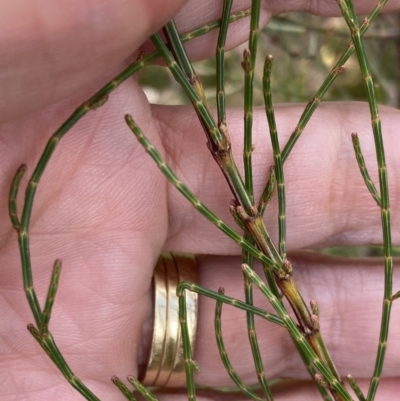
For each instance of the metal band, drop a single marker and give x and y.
(166, 366)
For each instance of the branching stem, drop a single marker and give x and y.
(349, 14)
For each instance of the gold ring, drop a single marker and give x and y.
(166, 366)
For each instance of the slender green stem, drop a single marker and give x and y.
(312, 372)
(268, 192)
(173, 38)
(264, 200)
(141, 389)
(249, 61)
(224, 356)
(186, 285)
(13, 195)
(23, 239)
(246, 257)
(220, 57)
(350, 17)
(255, 226)
(248, 119)
(185, 191)
(179, 53)
(248, 64)
(46, 341)
(363, 169)
(238, 220)
(269, 275)
(190, 365)
(55, 276)
(213, 25)
(212, 131)
(280, 181)
(251, 329)
(254, 32)
(297, 336)
(124, 390)
(218, 137)
(356, 388)
(336, 70)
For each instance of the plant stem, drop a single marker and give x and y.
(141, 389)
(298, 336)
(248, 64)
(220, 58)
(186, 285)
(356, 388)
(263, 202)
(124, 390)
(336, 70)
(280, 181)
(268, 191)
(249, 60)
(190, 364)
(42, 319)
(363, 169)
(251, 329)
(179, 53)
(347, 9)
(13, 195)
(278, 168)
(224, 356)
(44, 327)
(218, 137)
(46, 341)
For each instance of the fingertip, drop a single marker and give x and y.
(159, 12)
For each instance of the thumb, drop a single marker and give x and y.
(49, 50)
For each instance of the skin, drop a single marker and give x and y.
(107, 212)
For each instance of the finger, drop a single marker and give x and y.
(197, 13)
(50, 50)
(326, 199)
(349, 295)
(288, 391)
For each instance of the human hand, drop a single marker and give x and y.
(105, 210)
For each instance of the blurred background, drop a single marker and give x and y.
(305, 48)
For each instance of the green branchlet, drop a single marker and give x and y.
(349, 15)
(224, 355)
(124, 390)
